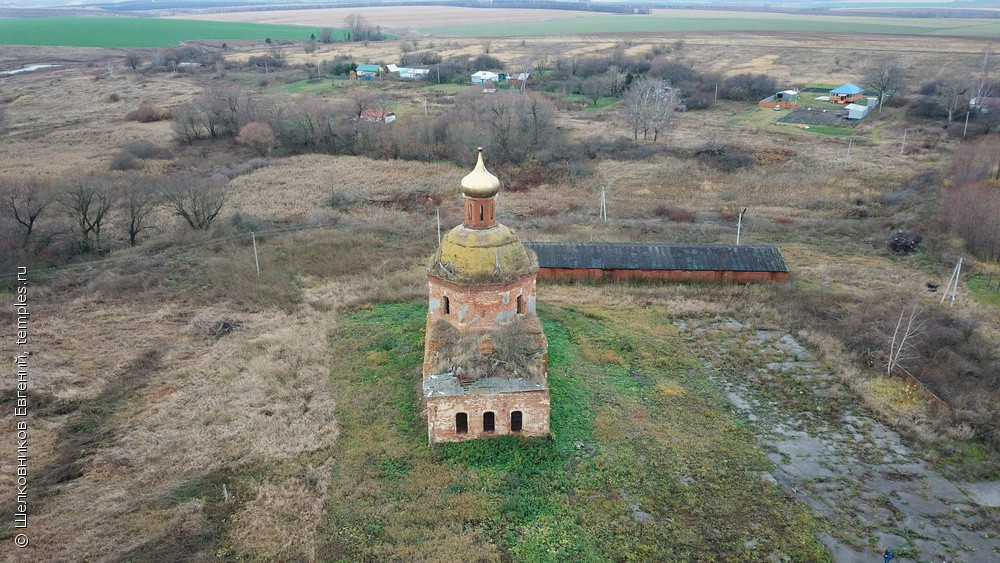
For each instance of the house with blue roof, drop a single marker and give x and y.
(846, 94)
(367, 71)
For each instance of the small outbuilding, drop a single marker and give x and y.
(785, 99)
(519, 79)
(846, 94)
(619, 261)
(857, 111)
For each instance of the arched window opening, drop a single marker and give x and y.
(516, 421)
(480, 212)
(462, 423)
(447, 305)
(489, 424)
(520, 304)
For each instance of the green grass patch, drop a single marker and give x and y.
(588, 104)
(986, 290)
(645, 460)
(450, 88)
(831, 131)
(304, 86)
(721, 21)
(139, 32)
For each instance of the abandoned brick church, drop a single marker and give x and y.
(485, 357)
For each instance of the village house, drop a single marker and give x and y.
(485, 354)
(377, 116)
(519, 80)
(846, 94)
(367, 71)
(484, 76)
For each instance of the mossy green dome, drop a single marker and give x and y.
(493, 255)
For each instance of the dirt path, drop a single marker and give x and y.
(873, 490)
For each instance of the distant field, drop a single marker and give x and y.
(136, 32)
(699, 21)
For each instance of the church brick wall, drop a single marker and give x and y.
(441, 413)
(479, 306)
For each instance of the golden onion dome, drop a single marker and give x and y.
(493, 255)
(480, 183)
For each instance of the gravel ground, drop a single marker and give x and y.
(875, 492)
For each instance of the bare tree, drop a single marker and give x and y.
(197, 201)
(24, 201)
(88, 201)
(111, 67)
(140, 197)
(359, 29)
(226, 108)
(133, 59)
(188, 124)
(647, 105)
(360, 99)
(596, 86)
(885, 78)
(908, 328)
(984, 88)
(326, 35)
(953, 94)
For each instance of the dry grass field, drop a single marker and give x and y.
(142, 408)
(402, 20)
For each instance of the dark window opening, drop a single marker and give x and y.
(447, 305)
(520, 304)
(489, 424)
(516, 421)
(480, 212)
(462, 423)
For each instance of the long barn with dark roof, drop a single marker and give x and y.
(668, 262)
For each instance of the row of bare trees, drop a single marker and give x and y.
(511, 125)
(86, 208)
(972, 198)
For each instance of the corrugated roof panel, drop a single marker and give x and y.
(643, 256)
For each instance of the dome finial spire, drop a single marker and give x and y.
(480, 183)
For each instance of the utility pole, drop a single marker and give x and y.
(850, 143)
(603, 214)
(902, 147)
(966, 130)
(256, 259)
(739, 226)
(956, 274)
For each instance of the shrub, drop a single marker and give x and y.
(124, 160)
(258, 136)
(727, 158)
(146, 112)
(142, 148)
(676, 214)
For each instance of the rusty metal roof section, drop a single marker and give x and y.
(652, 256)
